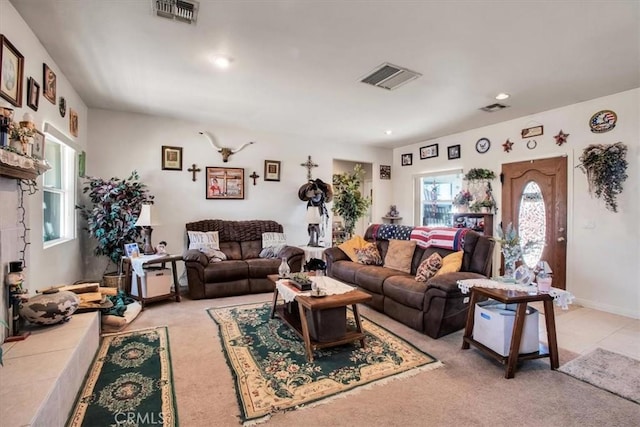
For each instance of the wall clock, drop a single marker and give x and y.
(483, 145)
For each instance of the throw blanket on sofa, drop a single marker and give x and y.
(440, 237)
(391, 231)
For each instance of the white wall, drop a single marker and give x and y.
(603, 251)
(62, 263)
(121, 142)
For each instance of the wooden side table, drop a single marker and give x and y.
(392, 219)
(162, 260)
(521, 299)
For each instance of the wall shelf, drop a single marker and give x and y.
(480, 222)
(14, 165)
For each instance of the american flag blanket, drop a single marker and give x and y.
(440, 237)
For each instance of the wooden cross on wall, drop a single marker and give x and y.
(194, 170)
(255, 176)
(309, 165)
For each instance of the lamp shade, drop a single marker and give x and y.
(145, 219)
(313, 215)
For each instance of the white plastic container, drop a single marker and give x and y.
(493, 326)
(155, 282)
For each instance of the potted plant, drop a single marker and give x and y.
(606, 169)
(462, 200)
(479, 174)
(510, 247)
(112, 214)
(348, 202)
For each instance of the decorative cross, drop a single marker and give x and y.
(255, 176)
(194, 170)
(309, 165)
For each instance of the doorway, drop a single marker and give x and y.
(534, 199)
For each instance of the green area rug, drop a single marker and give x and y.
(272, 374)
(610, 371)
(130, 382)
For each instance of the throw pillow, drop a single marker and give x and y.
(369, 255)
(451, 263)
(400, 254)
(214, 255)
(270, 240)
(200, 239)
(429, 267)
(349, 247)
(271, 251)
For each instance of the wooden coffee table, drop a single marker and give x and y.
(310, 304)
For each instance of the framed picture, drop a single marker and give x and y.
(73, 122)
(531, 132)
(82, 164)
(271, 170)
(225, 183)
(48, 84)
(33, 93)
(37, 151)
(131, 250)
(453, 152)
(429, 151)
(407, 159)
(11, 72)
(171, 158)
(385, 172)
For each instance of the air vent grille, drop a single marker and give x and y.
(180, 10)
(389, 76)
(494, 107)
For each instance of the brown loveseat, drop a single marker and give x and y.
(243, 272)
(436, 307)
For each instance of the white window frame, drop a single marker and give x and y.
(68, 161)
(418, 190)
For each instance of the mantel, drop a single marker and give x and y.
(13, 165)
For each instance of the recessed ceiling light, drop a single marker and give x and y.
(502, 96)
(388, 132)
(221, 61)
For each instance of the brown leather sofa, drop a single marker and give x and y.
(243, 272)
(436, 307)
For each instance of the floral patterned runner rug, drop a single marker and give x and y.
(271, 373)
(130, 382)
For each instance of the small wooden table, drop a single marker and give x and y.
(521, 299)
(162, 260)
(307, 303)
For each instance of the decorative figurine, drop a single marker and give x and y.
(161, 249)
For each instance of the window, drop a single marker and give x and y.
(58, 193)
(434, 197)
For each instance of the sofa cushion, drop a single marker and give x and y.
(369, 255)
(199, 239)
(231, 250)
(400, 255)
(262, 267)
(251, 249)
(372, 277)
(346, 270)
(429, 267)
(349, 247)
(226, 271)
(405, 290)
(451, 263)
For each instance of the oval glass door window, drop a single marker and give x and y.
(532, 224)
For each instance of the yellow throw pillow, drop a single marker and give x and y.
(400, 254)
(349, 247)
(451, 263)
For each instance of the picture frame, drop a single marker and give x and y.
(171, 158)
(131, 250)
(428, 151)
(82, 164)
(453, 152)
(49, 81)
(37, 152)
(224, 183)
(33, 94)
(11, 72)
(73, 122)
(406, 159)
(532, 131)
(385, 171)
(271, 170)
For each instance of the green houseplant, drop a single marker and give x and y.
(348, 201)
(606, 169)
(112, 214)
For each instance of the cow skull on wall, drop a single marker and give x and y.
(226, 152)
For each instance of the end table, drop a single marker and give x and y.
(157, 259)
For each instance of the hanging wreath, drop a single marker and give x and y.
(606, 170)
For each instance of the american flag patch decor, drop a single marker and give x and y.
(603, 121)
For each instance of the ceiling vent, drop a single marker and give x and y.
(180, 10)
(389, 76)
(494, 107)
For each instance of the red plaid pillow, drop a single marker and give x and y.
(429, 267)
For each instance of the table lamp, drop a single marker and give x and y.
(313, 220)
(145, 222)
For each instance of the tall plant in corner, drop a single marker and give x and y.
(113, 212)
(606, 169)
(348, 201)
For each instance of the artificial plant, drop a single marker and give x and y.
(479, 174)
(113, 212)
(606, 169)
(348, 201)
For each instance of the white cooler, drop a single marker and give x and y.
(493, 325)
(155, 282)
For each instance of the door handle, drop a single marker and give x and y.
(560, 239)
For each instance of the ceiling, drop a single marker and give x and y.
(297, 65)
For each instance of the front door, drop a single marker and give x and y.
(534, 199)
